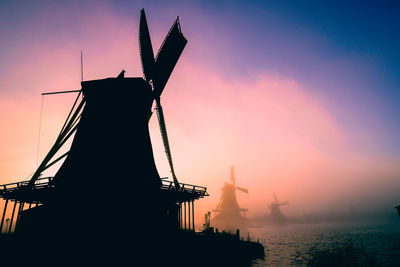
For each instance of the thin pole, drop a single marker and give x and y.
(4, 214)
(81, 67)
(12, 217)
(61, 92)
(40, 126)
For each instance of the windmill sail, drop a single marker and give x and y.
(146, 49)
(158, 71)
(167, 57)
(233, 175)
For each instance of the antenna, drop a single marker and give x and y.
(81, 67)
(40, 127)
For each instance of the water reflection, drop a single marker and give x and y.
(288, 245)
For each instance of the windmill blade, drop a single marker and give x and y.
(242, 189)
(276, 199)
(169, 53)
(283, 203)
(146, 49)
(233, 181)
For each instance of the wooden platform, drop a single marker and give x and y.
(44, 188)
(19, 197)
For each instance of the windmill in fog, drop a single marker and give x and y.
(276, 214)
(228, 212)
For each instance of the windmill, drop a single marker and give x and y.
(111, 148)
(228, 209)
(276, 214)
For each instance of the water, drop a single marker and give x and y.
(288, 245)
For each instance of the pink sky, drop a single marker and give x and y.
(279, 136)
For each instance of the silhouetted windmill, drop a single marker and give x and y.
(228, 209)
(113, 160)
(276, 214)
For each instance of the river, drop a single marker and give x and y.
(291, 245)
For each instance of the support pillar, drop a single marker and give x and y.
(189, 215)
(179, 215)
(20, 209)
(184, 203)
(12, 217)
(193, 216)
(2, 217)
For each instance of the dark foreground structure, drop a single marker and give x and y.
(107, 202)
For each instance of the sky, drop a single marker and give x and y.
(301, 98)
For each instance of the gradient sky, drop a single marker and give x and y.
(302, 98)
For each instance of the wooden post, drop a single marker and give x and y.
(189, 216)
(2, 217)
(12, 217)
(181, 226)
(193, 215)
(185, 213)
(179, 214)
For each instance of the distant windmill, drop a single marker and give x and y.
(228, 209)
(276, 213)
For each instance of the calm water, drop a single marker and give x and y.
(284, 244)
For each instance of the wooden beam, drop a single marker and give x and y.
(62, 92)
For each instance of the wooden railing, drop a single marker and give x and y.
(188, 188)
(44, 182)
(39, 183)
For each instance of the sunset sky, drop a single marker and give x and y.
(303, 100)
